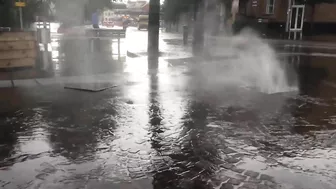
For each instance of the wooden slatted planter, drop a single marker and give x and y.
(17, 49)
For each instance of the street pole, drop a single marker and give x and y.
(153, 33)
(21, 20)
(198, 35)
(289, 12)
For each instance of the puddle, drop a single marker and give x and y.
(287, 176)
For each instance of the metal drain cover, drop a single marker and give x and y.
(89, 87)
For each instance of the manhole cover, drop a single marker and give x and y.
(90, 87)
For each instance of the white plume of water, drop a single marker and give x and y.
(247, 61)
(251, 63)
(256, 65)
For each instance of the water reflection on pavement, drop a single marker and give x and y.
(169, 129)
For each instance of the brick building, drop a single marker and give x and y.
(288, 16)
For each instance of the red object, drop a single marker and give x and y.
(108, 24)
(60, 30)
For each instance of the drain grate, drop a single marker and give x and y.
(89, 87)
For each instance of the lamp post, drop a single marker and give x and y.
(20, 4)
(289, 10)
(153, 33)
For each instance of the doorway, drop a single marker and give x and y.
(296, 21)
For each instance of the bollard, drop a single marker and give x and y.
(119, 45)
(185, 35)
(97, 40)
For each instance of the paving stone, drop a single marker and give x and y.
(218, 161)
(270, 184)
(234, 181)
(263, 187)
(227, 166)
(226, 186)
(228, 151)
(134, 169)
(137, 175)
(252, 174)
(250, 185)
(254, 180)
(238, 156)
(235, 169)
(232, 174)
(216, 182)
(223, 178)
(266, 177)
(232, 160)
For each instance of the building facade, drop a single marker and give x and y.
(289, 16)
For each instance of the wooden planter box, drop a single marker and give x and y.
(17, 49)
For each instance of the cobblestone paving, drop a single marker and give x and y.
(151, 133)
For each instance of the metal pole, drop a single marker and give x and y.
(21, 21)
(185, 35)
(289, 12)
(118, 45)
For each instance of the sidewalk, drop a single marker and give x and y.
(183, 126)
(169, 129)
(178, 40)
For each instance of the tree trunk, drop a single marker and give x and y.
(312, 19)
(198, 38)
(153, 33)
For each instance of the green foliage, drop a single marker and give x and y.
(98, 4)
(173, 8)
(7, 14)
(45, 8)
(38, 8)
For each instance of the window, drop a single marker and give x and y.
(270, 6)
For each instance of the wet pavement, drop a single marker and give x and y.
(185, 125)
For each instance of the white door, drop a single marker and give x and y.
(296, 18)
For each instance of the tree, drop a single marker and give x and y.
(153, 33)
(35, 8)
(174, 8)
(7, 14)
(93, 5)
(313, 4)
(198, 38)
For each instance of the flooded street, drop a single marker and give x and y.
(176, 127)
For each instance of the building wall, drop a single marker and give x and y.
(324, 13)
(257, 8)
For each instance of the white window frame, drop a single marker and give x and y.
(269, 5)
